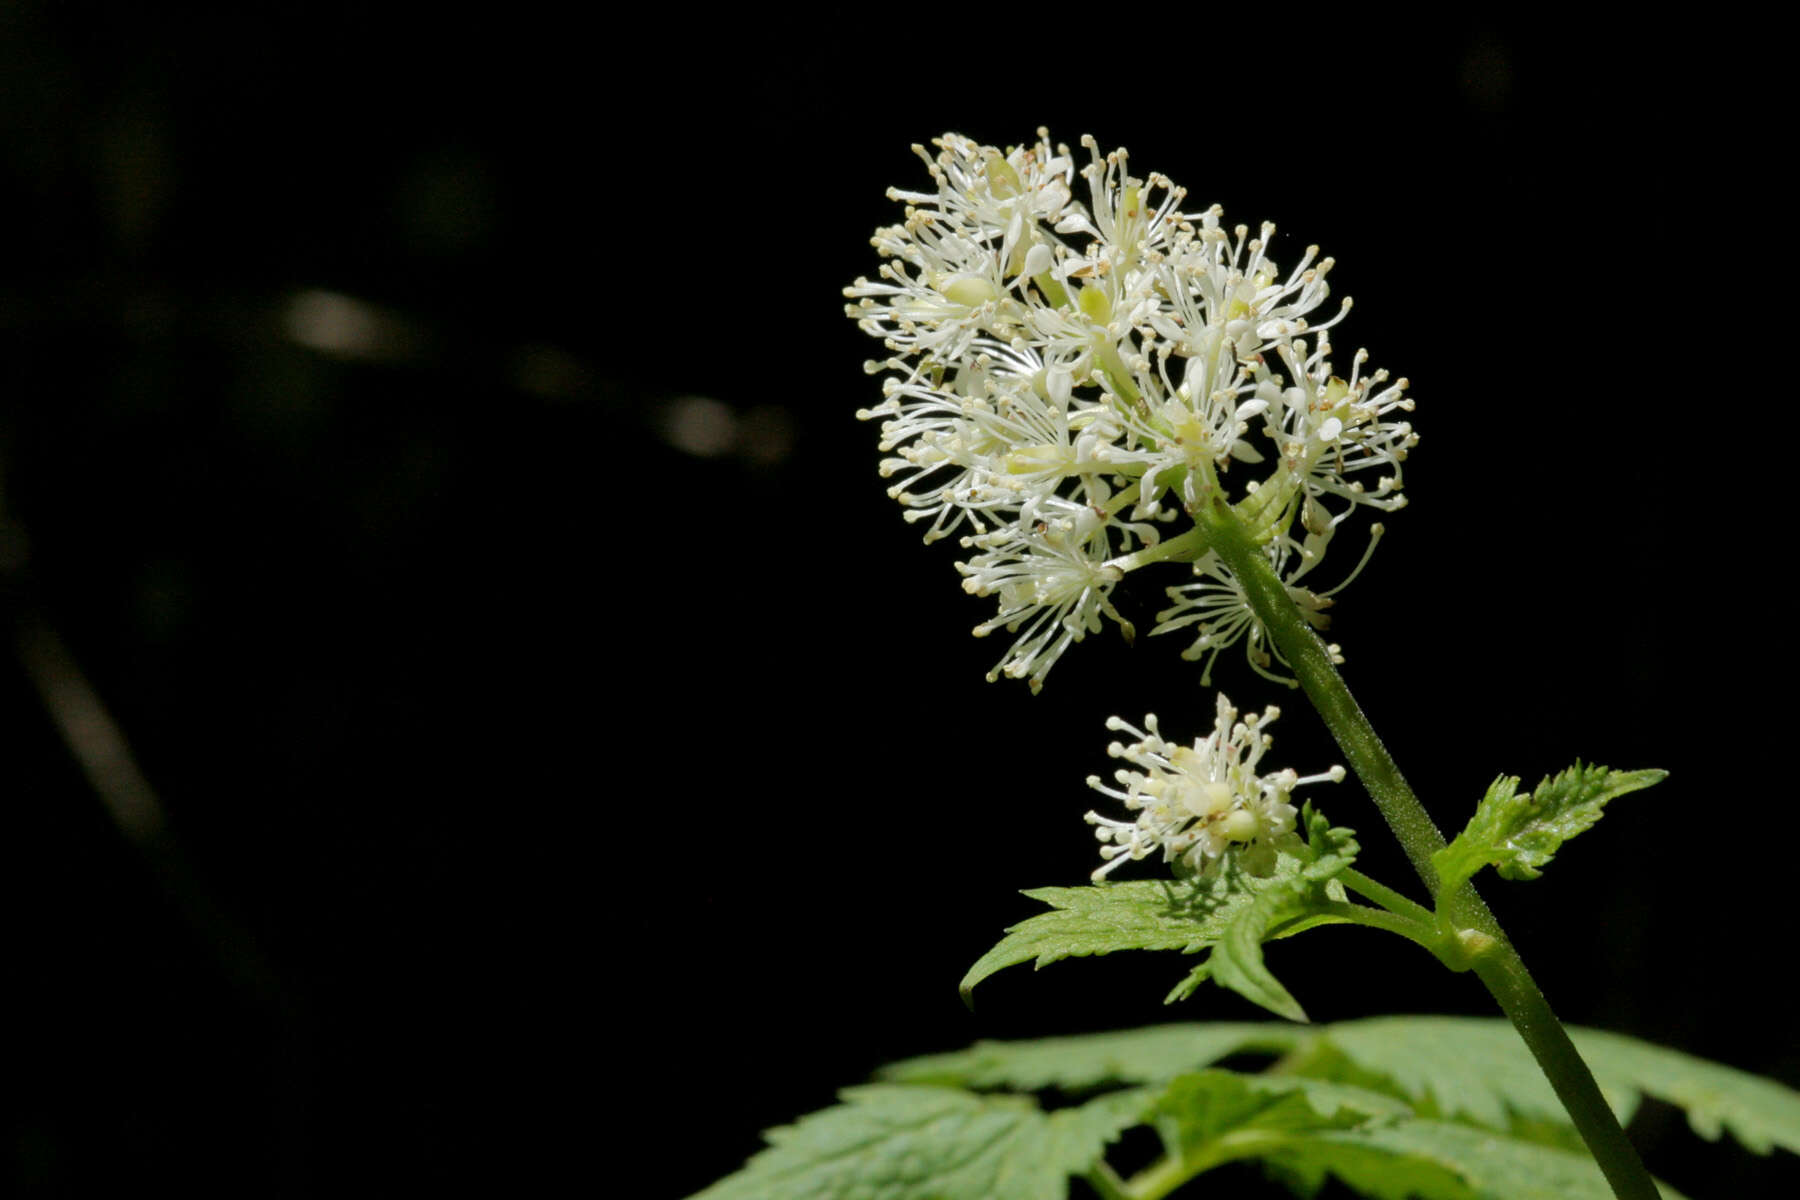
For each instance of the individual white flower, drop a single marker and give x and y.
(1196, 804)
(999, 434)
(1050, 574)
(1331, 430)
(959, 268)
(1216, 602)
(1191, 431)
(1224, 292)
(1125, 214)
(981, 191)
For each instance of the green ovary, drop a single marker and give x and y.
(1095, 304)
(970, 290)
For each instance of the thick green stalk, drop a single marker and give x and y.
(1491, 955)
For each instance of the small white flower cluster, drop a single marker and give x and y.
(1068, 374)
(1196, 803)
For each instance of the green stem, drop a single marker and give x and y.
(1123, 499)
(1379, 918)
(1512, 985)
(1495, 961)
(1385, 896)
(1115, 370)
(1160, 1178)
(1165, 1175)
(1188, 547)
(1106, 1182)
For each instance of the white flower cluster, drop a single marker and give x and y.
(1069, 374)
(1196, 803)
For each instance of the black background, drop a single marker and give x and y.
(518, 762)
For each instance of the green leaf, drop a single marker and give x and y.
(1475, 1068)
(1201, 1108)
(1519, 835)
(1440, 1160)
(895, 1142)
(1101, 918)
(1368, 1170)
(1305, 1129)
(1081, 1134)
(1760, 1113)
(1189, 916)
(1190, 983)
(1237, 960)
(1479, 1069)
(1150, 1055)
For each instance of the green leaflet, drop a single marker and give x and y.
(1519, 834)
(1231, 914)
(896, 1142)
(1759, 1113)
(1189, 984)
(1151, 1055)
(1237, 960)
(1480, 1070)
(1440, 1160)
(1477, 1069)
(1199, 1109)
